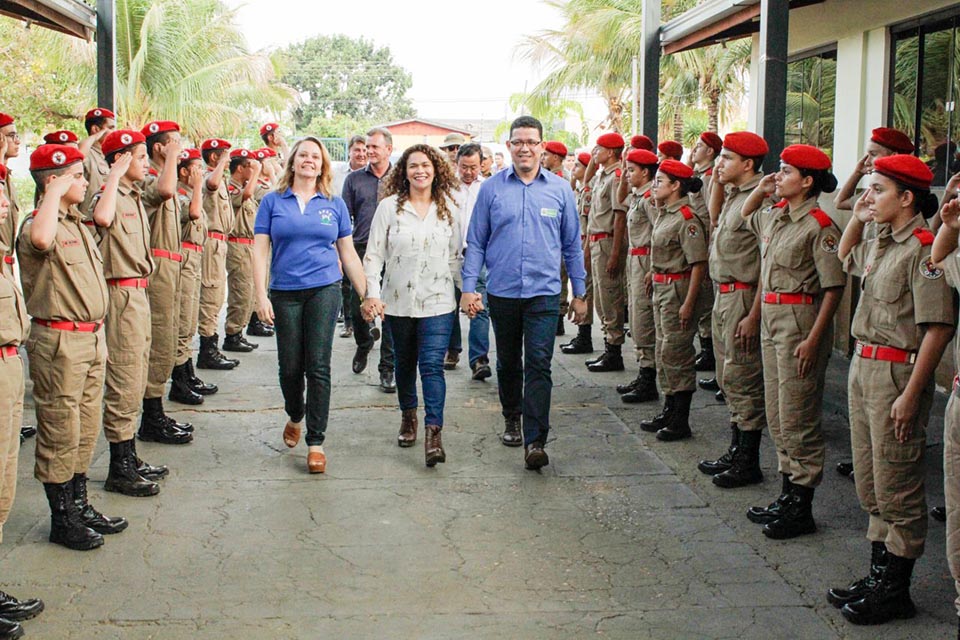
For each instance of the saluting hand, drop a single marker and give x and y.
(861, 209)
(172, 149)
(861, 167)
(768, 184)
(121, 164)
(59, 185)
(950, 214)
(196, 177)
(902, 412)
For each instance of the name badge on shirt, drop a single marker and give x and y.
(326, 216)
(549, 213)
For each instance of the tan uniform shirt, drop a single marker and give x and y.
(604, 201)
(8, 230)
(13, 312)
(584, 195)
(125, 244)
(245, 211)
(194, 231)
(735, 250)
(900, 287)
(678, 240)
(64, 282)
(640, 217)
(161, 214)
(799, 249)
(217, 208)
(95, 170)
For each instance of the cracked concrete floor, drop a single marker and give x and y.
(620, 537)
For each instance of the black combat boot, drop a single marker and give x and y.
(235, 342)
(724, 462)
(859, 589)
(156, 427)
(745, 469)
(10, 629)
(183, 426)
(89, 516)
(147, 470)
(196, 384)
(646, 388)
(13, 609)
(678, 428)
(257, 328)
(625, 388)
(769, 513)
(661, 419)
(210, 357)
(705, 360)
(65, 526)
(709, 384)
(796, 516)
(123, 476)
(889, 600)
(611, 360)
(581, 343)
(180, 390)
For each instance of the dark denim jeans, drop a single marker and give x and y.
(456, 336)
(479, 338)
(305, 321)
(361, 328)
(525, 330)
(423, 341)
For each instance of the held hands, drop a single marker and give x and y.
(372, 308)
(950, 214)
(861, 209)
(902, 412)
(471, 304)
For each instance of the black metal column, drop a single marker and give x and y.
(772, 99)
(106, 55)
(650, 70)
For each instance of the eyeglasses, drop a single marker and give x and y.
(525, 143)
(13, 135)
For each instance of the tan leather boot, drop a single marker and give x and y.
(408, 428)
(433, 446)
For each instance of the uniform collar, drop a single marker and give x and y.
(905, 232)
(805, 207)
(236, 184)
(126, 190)
(613, 167)
(749, 185)
(643, 189)
(673, 208)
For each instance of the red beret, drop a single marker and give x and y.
(121, 139)
(905, 169)
(215, 143)
(892, 139)
(712, 140)
(190, 154)
(641, 142)
(746, 144)
(675, 169)
(671, 149)
(267, 152)
(269, 128)
(99, 112)
(5, 119)
(803, 156)
(556, 147)
(3, 173)
(54, 156)
(60, 137)
(642, 157)
(611, 140)
(241, 153)
(584, 158)
(159, 126)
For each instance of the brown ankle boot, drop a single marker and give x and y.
(408, 428)
(433, 446)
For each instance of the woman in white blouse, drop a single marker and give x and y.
(415, 242)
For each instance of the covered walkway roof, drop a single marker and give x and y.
(72, 17)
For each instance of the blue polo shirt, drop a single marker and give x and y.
(304, 254)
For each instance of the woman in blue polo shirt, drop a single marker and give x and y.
(310, 234)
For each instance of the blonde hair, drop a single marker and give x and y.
(324, 179)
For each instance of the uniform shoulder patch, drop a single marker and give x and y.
(687, 212)
(821, 217)
(925, 236)
(929, 271)
(829, 243)
(693, 230)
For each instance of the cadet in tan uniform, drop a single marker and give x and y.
(703, 156)
(66, 296)
(163, 292)
(883, 142)
(185, 386)
(607, 230)
(669, 150)
(583, 341)
(554, 153)
(270, 171)
(218, 214)
(98, 123)
(244, 180)
(124, 241)
(801, 281)
(903, 323)
(735, 267)
(678, 262)
(10, 147)
(642, 214)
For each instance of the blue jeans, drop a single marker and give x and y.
(479, 338)
(423, 341)
(305, 321)
(525, 330)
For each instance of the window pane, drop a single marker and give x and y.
(811, 91)
(905, 84)
(935, 147)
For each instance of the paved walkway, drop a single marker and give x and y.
(620, 537)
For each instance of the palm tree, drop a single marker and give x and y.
(552, 114)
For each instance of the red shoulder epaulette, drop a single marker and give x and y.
(618, 172)
(822, 218)
(781, 204)
(709, 172)
(687, 212)
(33, 214)
(646, 194)
(925, 236)
(182, 192)
(231, 188)
(152, 172)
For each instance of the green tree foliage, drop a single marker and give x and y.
(552, 114)
(345, 84)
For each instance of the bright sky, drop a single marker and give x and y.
(462, 59)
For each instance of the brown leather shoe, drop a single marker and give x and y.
(408, 428)
(316, 462)
(291, 434)
(535, 457)
(433, 446)
(512, 437)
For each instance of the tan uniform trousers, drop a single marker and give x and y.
(189, 300)
(239, 286)
(11, 414)
(564, 290)
(128, 357)
(889, 475)
(739, 372)
(705, 302)
(794, 405)
(212, 290)
(643, 329)
(588, 282)
(951, 487)
(607, 291)
(675, 352)
(164, 295)
(67, 369)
